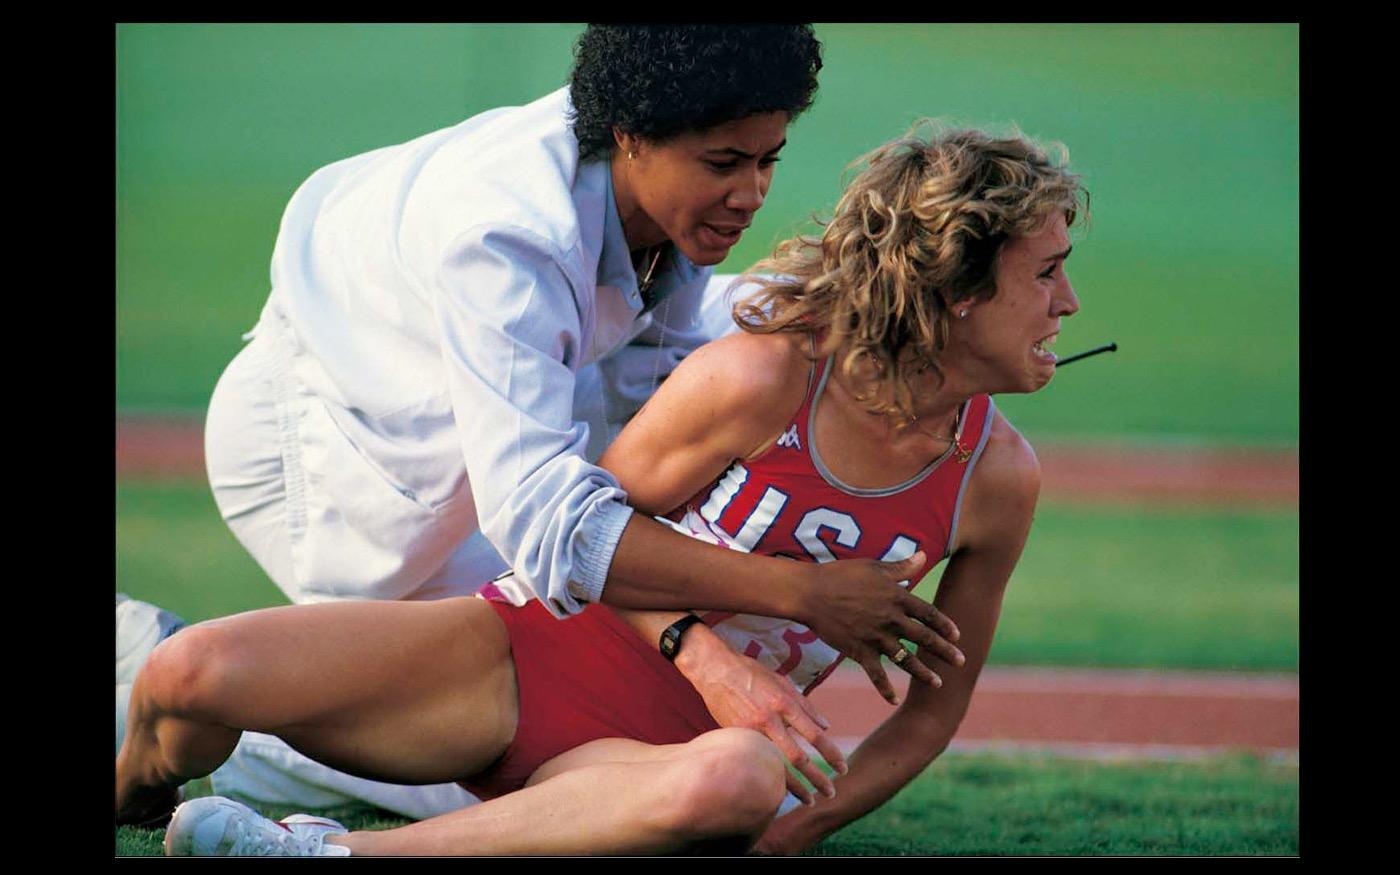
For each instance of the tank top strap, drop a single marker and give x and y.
(973, 429)
(816, 380)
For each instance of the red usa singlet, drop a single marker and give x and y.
(787, 503)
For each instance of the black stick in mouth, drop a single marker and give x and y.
(1107, 347)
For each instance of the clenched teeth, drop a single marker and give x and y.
(1042, 347)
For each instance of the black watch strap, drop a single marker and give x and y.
(671, 637)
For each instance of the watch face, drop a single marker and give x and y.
(668, 644)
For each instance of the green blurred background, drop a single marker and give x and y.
(1187, 136)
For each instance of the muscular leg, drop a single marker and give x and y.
(408, 692)
(612, 796)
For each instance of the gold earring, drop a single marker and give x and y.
(631, 154)
(962, 314)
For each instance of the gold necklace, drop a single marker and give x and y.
(963, 453)
(649, 279)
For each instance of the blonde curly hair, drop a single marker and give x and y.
(916, 232)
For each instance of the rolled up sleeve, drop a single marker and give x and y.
(512, 334)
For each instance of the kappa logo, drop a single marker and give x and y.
(789, 438)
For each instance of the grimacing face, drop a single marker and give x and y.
(699, 189)
(1007, 338)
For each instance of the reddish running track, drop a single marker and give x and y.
(160, 447)
(173, 447)
(1096, 713)
(1109, 473)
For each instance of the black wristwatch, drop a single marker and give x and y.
(671, 638)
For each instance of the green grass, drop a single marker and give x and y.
(984, 804)
(1187, 136)
(1161, 588)
(1096, 586)
(997, 804)
(174, 550)
(1211, 589)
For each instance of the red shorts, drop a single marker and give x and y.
(580, 679)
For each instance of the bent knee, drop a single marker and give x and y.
(733, 784)
(193, 673)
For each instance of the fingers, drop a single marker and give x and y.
(916, 607)
(919, 671)
(876, 673)
(905, 569)
(777, 732)
(911, 664)
(799, 789)
(930, 617)
(811, 711)
(808, 729)
(812, 772)
(832, 754)
(930, 641)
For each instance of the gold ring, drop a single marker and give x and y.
(899, 656)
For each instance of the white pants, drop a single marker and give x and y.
(253, 465)
(247, 466)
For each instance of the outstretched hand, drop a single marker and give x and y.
(859, 607)
(741, 692)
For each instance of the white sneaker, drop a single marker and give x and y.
(213, 826)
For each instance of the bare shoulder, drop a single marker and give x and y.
(753, 377)
(1009, 463)
(754, 367)
(724, 401)
(1005, 486)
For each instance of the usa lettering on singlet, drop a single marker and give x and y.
(787, 503)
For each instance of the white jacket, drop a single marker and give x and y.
(436, 299)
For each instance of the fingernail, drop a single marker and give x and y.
(961, 658)
(823, 722)
(842, 768)
(829, 793)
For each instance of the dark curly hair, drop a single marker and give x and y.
(659, 80)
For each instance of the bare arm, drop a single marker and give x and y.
(727, 401)
(706, 416)
(739, 691)
(996, 521)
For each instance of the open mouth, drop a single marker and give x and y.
(1041, 348)
(727, 236)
